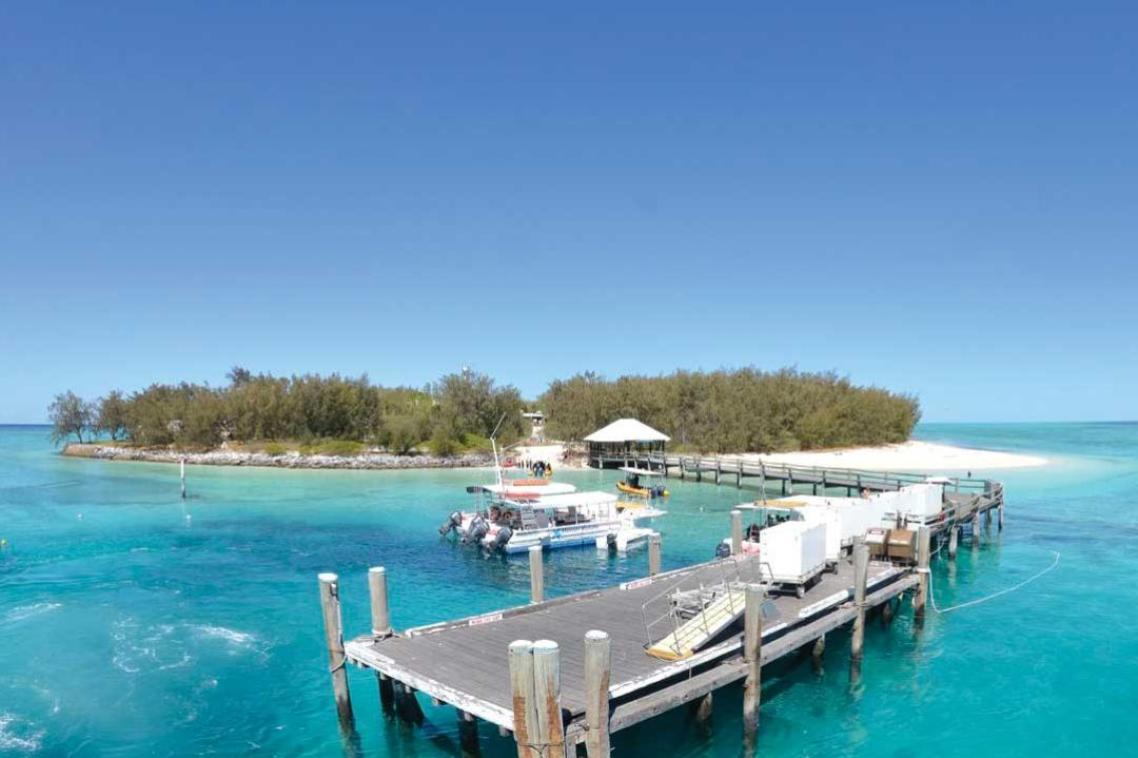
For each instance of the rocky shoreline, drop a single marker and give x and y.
(376, 461)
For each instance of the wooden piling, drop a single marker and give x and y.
(1000, 517)
(953, 541)
(381, 628)
(536, 575)
(468, 734)
(380, 612)
(653, 554)
(598, 667)
(334, 639)
(861, 577)
(736, 532)
(922, 594)
(817, 652)
(521, 691)
(752, 656)
(976, 530)
(547, 697)
(703, 708)
(182, 472)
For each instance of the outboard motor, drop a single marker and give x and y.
(478, 529)
(610, 542)
(502, 537)
(452, 523)
(722, 550)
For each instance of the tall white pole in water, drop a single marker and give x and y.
(182, 466)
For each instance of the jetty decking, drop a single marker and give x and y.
(464, 662)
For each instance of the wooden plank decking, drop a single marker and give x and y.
(464, 662)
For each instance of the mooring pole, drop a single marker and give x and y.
(598, 668)
(953, 541)
(182, 469)
(817, 652)
(334, 638)
(380, 612)
(922, 596)
(976, 530)
(381, 628)
(521, 689)
(547, 697)
(536, 575)
(736, 532)
(752, 656)
(861, 577)
(1000, 515)
(653, 554)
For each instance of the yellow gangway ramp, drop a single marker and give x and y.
(701, 628)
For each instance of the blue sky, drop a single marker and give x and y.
(939, 200)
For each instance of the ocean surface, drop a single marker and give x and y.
(134, 623)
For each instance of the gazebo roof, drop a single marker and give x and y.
(627, 430)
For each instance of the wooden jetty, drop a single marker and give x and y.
(967, 499)
(571, 670)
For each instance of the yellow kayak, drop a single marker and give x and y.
(641, 491)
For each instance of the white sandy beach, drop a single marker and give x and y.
(913, 455)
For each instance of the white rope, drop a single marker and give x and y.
(994, 595)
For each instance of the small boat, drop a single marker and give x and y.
(512, 516)
(632, 484)
(552, 521)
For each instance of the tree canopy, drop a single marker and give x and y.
(735, 411)
(721, 411)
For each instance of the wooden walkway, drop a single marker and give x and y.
(968, 498)
(464, 662)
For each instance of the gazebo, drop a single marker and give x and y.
(622, 441)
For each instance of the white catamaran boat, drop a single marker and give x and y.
(514, 515)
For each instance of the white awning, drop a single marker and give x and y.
(627, 430)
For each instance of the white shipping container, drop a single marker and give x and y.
(828, 517)
(794, 550)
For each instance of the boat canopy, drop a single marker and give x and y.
(578, 499)
(552, 488)
(640, 471)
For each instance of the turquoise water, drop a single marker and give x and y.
(133, 623)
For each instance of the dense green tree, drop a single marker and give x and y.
(733, 411)
(69, 414)
(111, 418)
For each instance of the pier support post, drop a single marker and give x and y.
(887, 612)
(407, 705)
(598, 668)
(547, 697)
(736, 532)
(182, 473)
(521, 690)
(861, 578)
(817, 651)
(699, 469)
(752, 655)
(468, 734)
(381, 628)
(923, 552)
(953, 541)
(784, 481)
(739, 474)
(703, 708)
(536, 575)
(1000, 517)
(334, 639)
(380, 611)
(762, 481)
(976, 530)
(653, 554)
